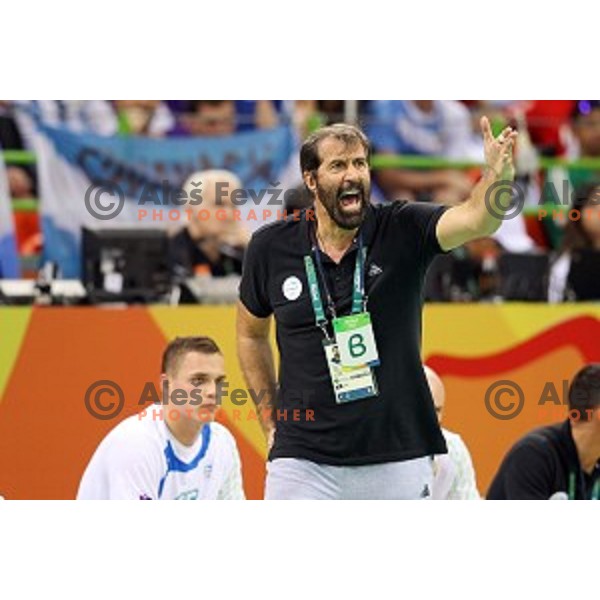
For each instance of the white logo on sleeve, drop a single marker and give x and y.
(292, 288)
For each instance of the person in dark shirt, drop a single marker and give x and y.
(212, 241)
(21, 178)
(561, 461)
(344, 282)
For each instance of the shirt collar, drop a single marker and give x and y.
(367, 229)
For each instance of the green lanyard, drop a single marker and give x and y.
(359, 299)
(572, 488)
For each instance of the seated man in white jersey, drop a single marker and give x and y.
(454, 476)
(174, 450)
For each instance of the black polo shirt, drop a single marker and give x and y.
(398, 424)
(541, 464)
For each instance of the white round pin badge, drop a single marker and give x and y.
(292, 288)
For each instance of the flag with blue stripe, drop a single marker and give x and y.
(75, 169)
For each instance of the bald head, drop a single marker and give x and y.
(209, 212)
(215, 183)
(438, 391)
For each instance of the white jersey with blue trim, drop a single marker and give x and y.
(140, 459)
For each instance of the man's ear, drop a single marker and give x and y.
(310, 181)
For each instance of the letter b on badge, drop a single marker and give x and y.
(356, 346)
(355, 339)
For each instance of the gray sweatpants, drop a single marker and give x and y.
(299, 479)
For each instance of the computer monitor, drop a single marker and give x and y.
(451, 277)
(583, 282)
(126, 265)
(524, 276)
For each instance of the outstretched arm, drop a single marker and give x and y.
(480, 214)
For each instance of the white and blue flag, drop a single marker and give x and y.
(89, 180)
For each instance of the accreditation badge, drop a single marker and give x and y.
(349, 383)
(356, 341)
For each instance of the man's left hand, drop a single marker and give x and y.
(499, 151)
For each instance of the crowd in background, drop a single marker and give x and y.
(445, 131)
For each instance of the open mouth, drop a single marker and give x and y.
(351, 198)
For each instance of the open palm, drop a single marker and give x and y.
(499, 150)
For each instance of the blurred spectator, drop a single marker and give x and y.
(454, 475)
(332, 111)
(494, 110)
(586, 132)
(22, 184)
(257, 114)
(212, 242)
(326, 112)
(144, 117)
(513, 236)
(9, 133)
(20, 178)
(548, 122)
(225, 117)
(209, 118)
(580, 234)
(309, 115)
(433, 128)
(484, 255)
(586, 127)
(179, 107)
(306, 116)
(94, 116)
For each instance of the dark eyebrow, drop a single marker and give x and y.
(206, 375)
(198, 374)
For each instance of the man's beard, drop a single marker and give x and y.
(333, 200)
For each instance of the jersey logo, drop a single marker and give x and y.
(208, 471)
(189, 495)
(425, 493)
(292, 288)
(375, 270)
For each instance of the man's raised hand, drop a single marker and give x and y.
(499, 150)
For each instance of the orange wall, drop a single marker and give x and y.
(49, 357)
